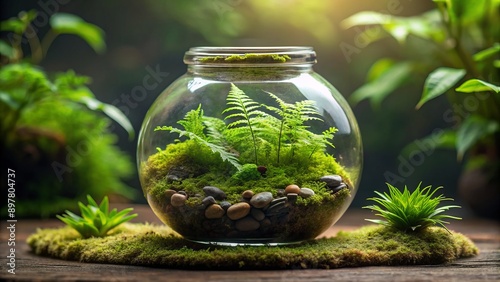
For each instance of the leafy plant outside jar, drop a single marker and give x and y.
(456, 46)
(51, 134)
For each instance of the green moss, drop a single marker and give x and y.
(247, 58)
(159, 246)
(248, 172)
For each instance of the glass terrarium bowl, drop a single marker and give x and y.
(250, 147)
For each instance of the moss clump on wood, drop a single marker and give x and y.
(159, 246)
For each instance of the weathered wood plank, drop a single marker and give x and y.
(484, 267)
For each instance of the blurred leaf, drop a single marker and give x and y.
(378, 68)
(111, 111)
(477, 85)
(63, 23)
(496, 63)
(18, 25)
(7, 50)
(445, 139)
(487, 53)
(473, 129)
(467, 11)
(366, 18)
(72, 87)
(438, 82)
(399, 27)
(376, 90)
(6, 98)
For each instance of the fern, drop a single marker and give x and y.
(323, 140)
(194, 124)
(291, 126)
(244, 109)
(268, 133)
(215, 130)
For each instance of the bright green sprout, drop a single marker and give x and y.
(97, 220)
(411, 211)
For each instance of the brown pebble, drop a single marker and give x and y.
(169, 193)
(247, 194)
(238, 211)
(247, 224)
(292, 188)
(214, 211)
(178, 200)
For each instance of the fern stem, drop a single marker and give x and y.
(253, 138)
(279, 139)
(247, 117)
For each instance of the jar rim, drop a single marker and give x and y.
(250, 56)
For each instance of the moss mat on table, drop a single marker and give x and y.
(159, 246)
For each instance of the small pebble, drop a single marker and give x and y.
(171, 178)
(238, 211)
(214, 211)
(247, 194)
(292, 197)
(281, 192)
(225, 205)
(306, 192)
(178, 200)
(261, 200)
(257, 214)
(262, 169)
(247, 224)
(215, 192)
(277, 208)
(338, 188)
(332, 180)
(208, 201)
(183, 193)
(265, 223)
(278, 200)
(292, 188)
(169, 193)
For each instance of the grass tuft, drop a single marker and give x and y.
(407, 211)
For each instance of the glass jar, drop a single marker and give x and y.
(250, 147)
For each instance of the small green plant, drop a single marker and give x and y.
(410, 211)
(96, 220)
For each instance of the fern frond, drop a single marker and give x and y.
(245, 109)
(225, 155)
(215, 128)
(194, 124)
(193, 121)
(292, 128)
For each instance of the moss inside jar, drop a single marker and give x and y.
(250, 146)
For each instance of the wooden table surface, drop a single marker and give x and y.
(29, 267)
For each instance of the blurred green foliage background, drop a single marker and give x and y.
(146, 37)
